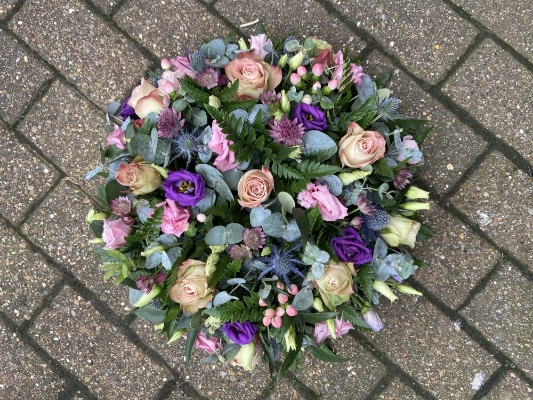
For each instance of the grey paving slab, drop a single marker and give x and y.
(498, 198)
(25, 277)
(503, 313)
(280, 18)
(68, 130)
(95, 57)
(24, 176)
(457, 258)
(511, 20)
(431, 348)
(149, 22)
(5, 7)
(451, 146)
(496, 89)
(398, 390)
(58, 227)
(427, 36)
(21, 76)
(511, 388)
(350, 380)
(78, 337)
(24, 374)
(216, 381)
(106, 5)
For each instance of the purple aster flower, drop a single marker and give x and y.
(402, 179)
(240, 333)
(372, 320)
(254, 238)
(287, 132)
(120, 206)
(167, 123)
(350, 248)
(312, 117)
(145, 284)
(127, 111)
(240, 252)
(208, 78)
(184, 187)
(269, 97)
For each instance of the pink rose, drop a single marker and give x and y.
(359, 148)
(218, 143)
(321, 331)
(257, 42)
(210, 345)
(117, 138)
(255, 76)
(175, 218)
(145, 99)
(190, 289)
(254, 187)
(115, 231)
(329, 205)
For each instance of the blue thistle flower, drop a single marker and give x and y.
(197, 61)
(281, 263)
(371, 225)
(185, 144)
(388, 108)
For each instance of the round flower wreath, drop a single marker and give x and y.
(257, 199)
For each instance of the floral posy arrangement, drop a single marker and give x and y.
(257, 199)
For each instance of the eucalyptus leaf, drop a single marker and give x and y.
(199, 117)
(232, 178)
(207, 201)
(142, 145)
(316, 143)
(167, 240)
(223, 298)
(113, 108)
(235, 281)
(173, 254)
(274, 225)
(303, 299)
(234, 233)
(287, 202)
(291, 232)
(216, 236)
(94, 172)
(318, 270)
(258, 215)
(153, 260)
(264, 291)
(213, 49)
(333, 183)
(179, 105)
(150, 314)
(134, 295)
(165, 261)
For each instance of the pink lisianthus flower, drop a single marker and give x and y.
(356, 72)
(175, 218)
(336, 76)
(321, 331)
(182, 67)
(257, 43)
(117, 138)
(218, 143)
(210, 345)
(168, 84)
(329, 205)
(115, 232)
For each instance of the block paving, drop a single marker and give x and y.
(464, 65)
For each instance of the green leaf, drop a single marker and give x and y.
(172, 313)
(351, 316)
(189, 345)
(326, 355)
(113, 189)
(382, 80)
(193, 90)
(303, 224)
(425, 232)
(364, 278)
(268, 352)
(314, 318)
(421, 136)
(381, 167)
(291, 356)
(150, 314)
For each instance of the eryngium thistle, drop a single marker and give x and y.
(197, 61)
(378, 221)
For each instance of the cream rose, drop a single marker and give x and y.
(336, 286)
(254, 187)
(145, 99)
(255, 76)
(359, 148)
(400, 230)
(190, 289)
(139, 176)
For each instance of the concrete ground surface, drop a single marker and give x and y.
(465, 65)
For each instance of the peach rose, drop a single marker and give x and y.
(336, 286)
(255, 76)
(359, 148)
(139, 176)
(190, 289)
(145, 99)
(254, 187)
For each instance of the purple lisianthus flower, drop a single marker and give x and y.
(184, 187)
(311, 117)
(127, 111)
(240, 333)
(350, 248)
(372, 320)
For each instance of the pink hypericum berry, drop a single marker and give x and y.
(318, 69)
(270, 313)
(201, 217)
(291, 311)
(282, 298)
(295, 79)
(267, 321)
(280, 285)
(276, 322)
(301, 70)
(280, 312)
(262, 303)
(165, 63)
(293, 289)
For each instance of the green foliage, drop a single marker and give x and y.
(351, 316)
(381, 81)
(227, 211)
(356, 114)
(381, 167)
(150, 230)
(425, 232)
(193, 90)
(225, 267)
(364, 279)
(237, 311)
(311, 169)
